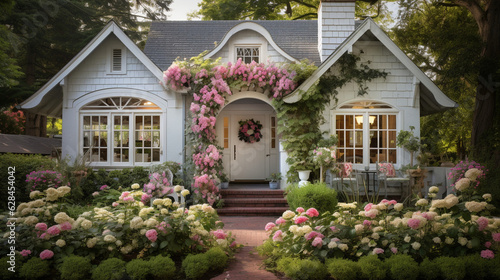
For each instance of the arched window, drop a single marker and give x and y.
(367, 132)
(121, 131)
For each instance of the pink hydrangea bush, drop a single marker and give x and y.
(455, 225)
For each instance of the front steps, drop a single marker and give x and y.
(252, 202)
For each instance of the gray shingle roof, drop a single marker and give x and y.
(168, 40)
(25, 144)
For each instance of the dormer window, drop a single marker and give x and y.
(248, 54)
(116, 61)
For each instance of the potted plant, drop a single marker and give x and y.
(274, 181)
(224, 181)
(407, 140)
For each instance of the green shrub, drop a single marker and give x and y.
(138, 269)
(451, 268)
(302, 269)
(318, 196)
(493, 267)
(342, 269)
(371, 267)
(110, 269)
(429, 269)
(5, 273)
(475, 267)
(35, 268)
(23, 165)
(75, 267)
(195, 266)
(217, 258)
(401, 267)
(162, 267)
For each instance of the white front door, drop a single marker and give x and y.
(249, 161)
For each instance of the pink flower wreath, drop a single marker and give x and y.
(250, 131)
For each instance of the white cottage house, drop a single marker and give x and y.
(115, 109)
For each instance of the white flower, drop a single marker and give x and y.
(60, 243)
(34, 194)
(91, 242)
(434, 189)
(288, 214)
(462, 241)
(118, 243)
(332, 245)
(422, 202)
(487, 197)
(375, 236)
(136, 223)
(398, 206)
(436, 240)
(135, 186)
(407, 239)
(31, 220)
(222, 242)
(343, 247)
(185, 193)
(126, 249)
(463, 184)
(473, 173)
(109, 238)
(416, 245)
(365, 240)
(178, 188)
(448, 240)
(474, 206)
(86, 224)
(62, 217)
(359, 228)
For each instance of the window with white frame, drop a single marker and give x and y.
(367, 133)
(121, 130)
(248, 54)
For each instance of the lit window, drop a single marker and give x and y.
(248, 54)
(366, 135)
(109, 134)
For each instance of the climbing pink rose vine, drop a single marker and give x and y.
(210, 84)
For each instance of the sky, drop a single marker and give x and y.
(180, 8)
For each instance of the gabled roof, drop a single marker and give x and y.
(48, 99)
(168, 40)
(432, 99)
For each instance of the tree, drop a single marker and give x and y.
(10, 71)
(279, 10)
(433, 36)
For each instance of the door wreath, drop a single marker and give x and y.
(250, 131)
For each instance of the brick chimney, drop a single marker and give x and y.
(335, 24)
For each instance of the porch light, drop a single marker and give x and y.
(148, 103)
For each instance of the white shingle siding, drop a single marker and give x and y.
(335, 24)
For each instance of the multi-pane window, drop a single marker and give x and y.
(366, 135)
(248, 54)
(120, 130)
(273, 132)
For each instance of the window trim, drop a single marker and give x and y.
(236, 46)
(366, 130)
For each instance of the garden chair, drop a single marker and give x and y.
(168, 174)
(388, 176)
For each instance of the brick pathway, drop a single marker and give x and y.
(250, 232)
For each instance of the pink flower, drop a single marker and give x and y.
(300, 210)
(333, 228)
(41, 226)
(278, 236)
(368, 207)
(103, 187)
(46, 254)
(482, 223)
(317, 242)
(54, 230)
(367, 223)
(487, 244)
(269, 226)
(372, 213)
(414, 223)
(114, 204)
(496, 236)
(394, 250)
(233, 244)
(280, 221)
(301, 219)
(152, 235)
(219, 234)
(377, 251)
(313, 234)
(312, 212)
(487, 254)
(25, 253)
(65, 226)
(43, 235)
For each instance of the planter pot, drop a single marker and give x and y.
(224, 185)
(274, 185)
(304, 176)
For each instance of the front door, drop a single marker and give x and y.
(249, 161)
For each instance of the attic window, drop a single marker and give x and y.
(117, 61)
(248, 54)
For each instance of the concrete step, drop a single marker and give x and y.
(249, 193)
